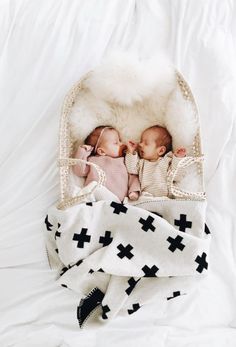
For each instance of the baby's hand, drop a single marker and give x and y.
(88, 148)
(180, 152)
(132, 146)
(134, 196)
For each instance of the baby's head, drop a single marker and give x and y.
(106, 141)
(155, 142)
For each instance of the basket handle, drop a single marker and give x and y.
(64, 203)
(181, 193)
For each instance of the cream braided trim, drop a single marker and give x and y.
(74, 161)
(178, 192)
(65, 162)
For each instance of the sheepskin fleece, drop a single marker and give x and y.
(132, 95)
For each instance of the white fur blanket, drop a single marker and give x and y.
(118, 257)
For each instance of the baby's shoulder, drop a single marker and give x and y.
(168, 155)
(95, 159)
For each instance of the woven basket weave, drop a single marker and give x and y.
(66, 149)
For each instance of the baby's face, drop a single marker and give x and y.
(110, 144)
(148, 148)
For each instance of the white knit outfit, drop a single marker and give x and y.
(152, 174)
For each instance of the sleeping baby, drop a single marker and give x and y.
(104, 148)
(151, 159)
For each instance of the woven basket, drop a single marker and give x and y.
(66, 143)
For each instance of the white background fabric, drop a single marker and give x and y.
(45, 47)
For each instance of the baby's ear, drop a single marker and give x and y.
(161, 150)
(100, 151)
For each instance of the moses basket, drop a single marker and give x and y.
(170, 102)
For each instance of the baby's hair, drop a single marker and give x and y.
(165, 138)
(93, 137)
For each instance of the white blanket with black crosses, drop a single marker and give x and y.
(119, 257)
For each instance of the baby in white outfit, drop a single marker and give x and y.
(151, 159)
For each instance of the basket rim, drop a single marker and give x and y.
(66, 143)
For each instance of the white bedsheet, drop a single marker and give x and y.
(48, 45)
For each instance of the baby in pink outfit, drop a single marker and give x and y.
(104, 148)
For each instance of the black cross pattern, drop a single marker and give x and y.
(175, 243)
(48, 224)
(105, 310)
(57, 234)
(64, 269)
(125, 251)
(158, 214)
(147, 223)
(182, 223)
(79, 262)
(150, 271)
(202, 262)
(99, 270)
(107, 239)
(118, 208)
(175, 294)
(70, 266)
(81, 238)
(206, 229)
(132, 284)
(135, 308)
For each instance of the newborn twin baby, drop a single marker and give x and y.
(132, 169)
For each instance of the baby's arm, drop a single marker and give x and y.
(178, 154)
(134, 187)
(131, 158)
(132, 165)
(83, 152)
(132, 147)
